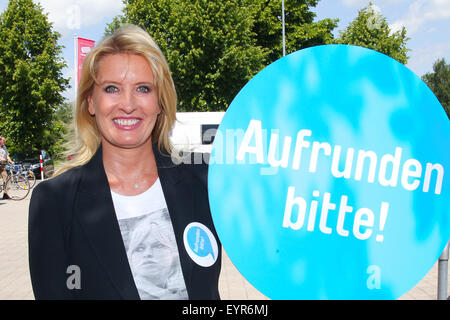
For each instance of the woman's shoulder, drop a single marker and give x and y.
(51, 197)
(59, 184)
(196, 165)
(190, 163)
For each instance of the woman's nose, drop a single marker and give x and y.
(128, 103)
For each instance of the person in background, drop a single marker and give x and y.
(4, 158)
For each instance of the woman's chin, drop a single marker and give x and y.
(127, 143)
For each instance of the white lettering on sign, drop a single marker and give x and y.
(297, 211)
(387, 170)
(390, 167)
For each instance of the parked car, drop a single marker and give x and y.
(32, 161)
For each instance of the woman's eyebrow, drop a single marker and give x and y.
(150, 83)
(109, 82)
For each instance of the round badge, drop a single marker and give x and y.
(329, 177)
(200, 244)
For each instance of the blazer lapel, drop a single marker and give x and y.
(178, 196)
(95, 212)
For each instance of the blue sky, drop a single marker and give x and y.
(427, 22)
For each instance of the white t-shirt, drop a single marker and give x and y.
(150, 243)
(3, 154)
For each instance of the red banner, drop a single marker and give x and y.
(83, 48)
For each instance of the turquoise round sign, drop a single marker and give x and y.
(328, 177)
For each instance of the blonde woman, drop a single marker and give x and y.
(122, 183)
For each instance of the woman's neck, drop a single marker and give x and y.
(129, 171)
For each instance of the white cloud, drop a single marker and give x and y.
(363, 3)
(71, 15)
(421, 12)
(422, 59)
(354, 3)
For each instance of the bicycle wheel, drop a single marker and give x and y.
(2, 188)
(17, 187)
(31, 178)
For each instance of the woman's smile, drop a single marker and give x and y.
(124, 123)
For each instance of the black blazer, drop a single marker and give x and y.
(72, 222)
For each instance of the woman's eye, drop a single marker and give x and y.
(143, 89)
(111, 89)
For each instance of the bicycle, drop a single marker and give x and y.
(16, 186)
(25, 172)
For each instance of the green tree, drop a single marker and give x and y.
(215, 47)
(371, 30)
(439, 83)
(300, 28)
(61, 132)
(31, 79)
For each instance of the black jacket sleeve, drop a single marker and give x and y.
(46, 243)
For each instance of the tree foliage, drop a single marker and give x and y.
(31, 76)
(215, 47)
(300, 28)
(371, 30)
(62, 132)
(439, 83)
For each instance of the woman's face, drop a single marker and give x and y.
(124, 100)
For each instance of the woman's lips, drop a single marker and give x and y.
(127, 123)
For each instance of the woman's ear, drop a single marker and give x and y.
(91, 108)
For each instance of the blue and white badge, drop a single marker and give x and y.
(200, 244)
(329, 177)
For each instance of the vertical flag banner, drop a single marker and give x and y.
(329, 177)
(83, 47)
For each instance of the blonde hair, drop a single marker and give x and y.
(129, 39)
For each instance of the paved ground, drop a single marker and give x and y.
(15, 279)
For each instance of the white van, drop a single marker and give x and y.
(195, 131)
